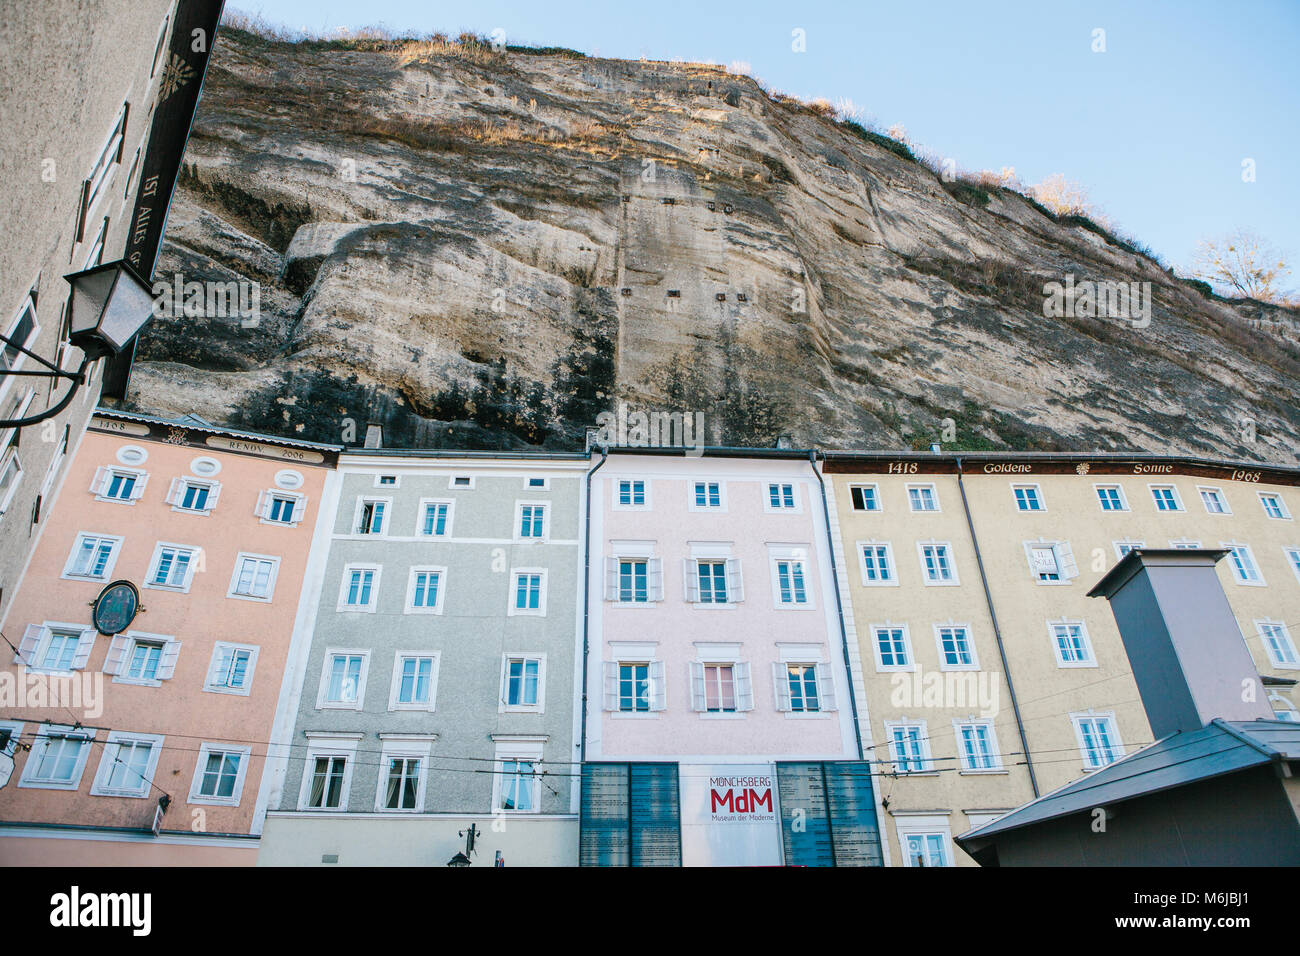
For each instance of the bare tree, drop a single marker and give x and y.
(1063, 197)
(1244, 263)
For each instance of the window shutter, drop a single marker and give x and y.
(781, 685)
(167, 664)
(1065, 561)
(101, 480)
(735, 586)
(691, 575)
(611, 579)
(32, 635)
(299, 508)
(215, 670)
(825, 687)
(116, 654)
(263, 500)
(84, 647)
(744, 686)
(611, 685)
(175, 491)
(654, 569)
(214, 494)
(697, 686)
(137, 492)
(658, 690)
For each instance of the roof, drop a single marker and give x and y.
(201, 424)
(1219, 748)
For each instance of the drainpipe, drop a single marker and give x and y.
(586, 603)
(997, 632)
(839, 604)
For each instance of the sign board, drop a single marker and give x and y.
(729, 815)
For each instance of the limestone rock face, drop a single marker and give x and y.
(488, 250)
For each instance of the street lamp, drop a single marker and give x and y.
(110, 304)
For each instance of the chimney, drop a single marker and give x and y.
(374, 436)
(1186, 650)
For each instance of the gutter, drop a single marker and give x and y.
(839, 605)
(586, 604)
(997, 632)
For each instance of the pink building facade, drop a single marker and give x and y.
(172, 705)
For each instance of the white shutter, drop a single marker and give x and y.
(32, 635)
(655, 578)
(735, 586)
(658, 689)
(116, 654)
(84, 646)
(691, 577)
(611, 685)
(697, 686)
(299, 508)
(215, 669)
(611, 579)
(101, 480)
(1065, 561)
(781, 685)
(825, 687)
(744, 686)
(263, 501)
(175, 491)
(167, 664)
(137, 490)
(214, 494)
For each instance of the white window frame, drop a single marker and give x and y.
(108, 758)
(544, 486)
(955, 581)
(45, 732)
(207, 749)
(924, 826)
(540, 610)
(995, 754)
(800, 554)
(974, 664)
(1275, 699)
(621, 551)
(1083, 633)
(270, 584)
(720, 508)
(384, 524)
(447, 522)
(104, 478)
(20, 360)
(128, 641)
(1076, 720)
(503, 705)
(373, 605)
(452, 479)
(297, 512)
(633, 653)
(519, 536)
(1038, 496)
(380, 483)
(404, 747)
(329, 745)
(804, 655)
(1294, 663)
(1066, 567)
(179, 486)
(889, 582)
(44, 633)
(1203, 490)
(517, 750)
(107, 575)
(439, 602)
(732, 576)
(1123, 498)
(1131, 543)
(101, 173)
(796, 491)
(1184, 543)
(1178, 498)
(926, 759)
(196, 558)
(1292, 556)
(879, 499)
(616, 505)
(395, 684)
(881, 666)
(934, 496)
(1281, 503)
(217, 649)
(1259, 581)
(322, 703)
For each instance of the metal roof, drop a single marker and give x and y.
(201, 424)
(1221, 747)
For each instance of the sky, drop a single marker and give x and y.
(1184, 127)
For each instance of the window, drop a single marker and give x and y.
(280, 507)
(138, 658)
(359, 591)
(93, 556)
(1293, 557)
(219, 775)
(60, 650)
(955, 649)
(1243, 564)
(922, 498)
(1122, 548)
(706, 495)
(197, 497)
(57, 758)
(927, 849)
(1274, 506)
(1051, 562)
(1099, 741)
(532, 521)
(461, 481)
(909, 746)
(254, 577)
(327, 783)
(893, 648)
(385, 481)
(424, 593)
(370, 516)
(1214, 501)
(231, 669)
(877, 564)
(977, 746)
(327, 771)
(435, 518)
(1277, 640)
(127, 767)
(1028, 497)
(802, 688)
(415, 681)
(635, 685)
(528, 596)
(343, 679)
(1283, 709)
(21, 333)
(172, 567)
(142, 661)
(522, 683)
(711, 578)
(720, 684)
(1166, 498)
(781, 497)
(401, 783)
(109, 156)
(53, 647)
(1111, 498)
(11, 474)
(633, 581)
(633, 577)
(1070, 641)
(536, 483)
(517, 784)
(119, 484)
(1184, 544)
(631, 493)
(864, 497)
(936, 563)
(790, 589)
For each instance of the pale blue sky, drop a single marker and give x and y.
(1155, 128)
